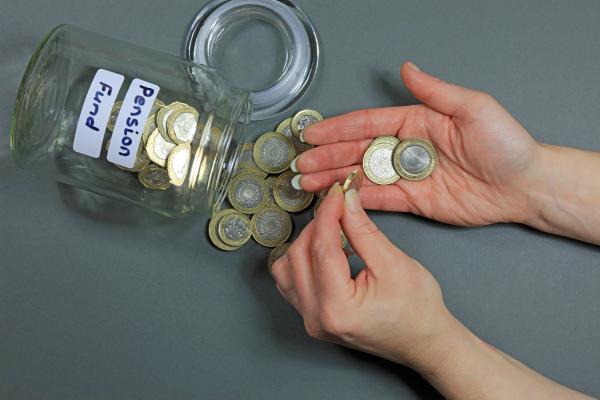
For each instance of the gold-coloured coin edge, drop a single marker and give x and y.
(150, 149)
(231, 192)
(173, 117)
(177, 180)
(396, 158)
(353, 181)
(214, 235)
(142, 178)
(269, 168)
(299, 114)
(277, 253)
(285, 180)
(271, 243)
(367, 169)
(393, 140)
(221, 228)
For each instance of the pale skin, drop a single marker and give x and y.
(490, 170)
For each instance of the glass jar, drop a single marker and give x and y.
(66, 99)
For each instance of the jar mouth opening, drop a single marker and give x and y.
(267, 47)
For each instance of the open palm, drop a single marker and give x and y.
(486, 159)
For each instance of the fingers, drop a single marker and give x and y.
(384, 198)
(330, 265)
(331, 156)
(444, 97)
(293, 272)
(366, 239)
(357, 125)
(324, 179)
(300, 264)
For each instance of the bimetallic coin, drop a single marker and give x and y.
(287, 197)
(414, 159)
(393, 140)
(141, 161)
(377, 164)
(154, 177)
(158, 148)
(214, 235)
(277, 253)
(248, 192)
(163, 115)
(234, 228)
(156, 106)
(303, 119)
(114, 113)
(149, 128)
(178, 163)
(353, 181)
(246, 160)
(271, 185)
(273, 152)
(285, 128)
(182, 124)
(271, 226)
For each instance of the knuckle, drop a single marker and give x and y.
(334, 322)
(312, 329)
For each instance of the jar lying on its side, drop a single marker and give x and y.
(88, 113)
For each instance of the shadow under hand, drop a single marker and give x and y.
(287, 330)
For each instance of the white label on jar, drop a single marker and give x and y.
(95, 112)
(130, 123)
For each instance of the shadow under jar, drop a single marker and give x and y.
(65, 100)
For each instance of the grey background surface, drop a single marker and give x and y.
(112, 302)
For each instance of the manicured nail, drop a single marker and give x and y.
(296, 182)
(293, 164)
(413, 66)
(336, 187)
(353, 201)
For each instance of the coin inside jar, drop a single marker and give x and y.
(304, 119)
(114, 113)
(178, 163)
(378, 165)
(154, 177)
(414, 159)
(273, 152)
(246, 160)
(248, 192)
(271, 226)
(287, 197)
(182, 124)
(277, 253)
(234, 228)
(158, 148)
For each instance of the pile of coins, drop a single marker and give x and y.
(260, 194)
(164, 154)
(387, 159)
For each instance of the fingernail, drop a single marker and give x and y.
(293, 164)
(336, 186)
(296, 182)
(413, 66)
(302, 136)
(353, 201)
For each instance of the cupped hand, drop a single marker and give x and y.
(393, 308)
(486, 159)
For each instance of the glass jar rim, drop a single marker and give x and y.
(301, 51)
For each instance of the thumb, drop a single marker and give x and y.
(442, 96)
(366, 239)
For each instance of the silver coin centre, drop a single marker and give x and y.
(415, 159)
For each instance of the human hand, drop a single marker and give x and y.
(393, 308)
(486, 159)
